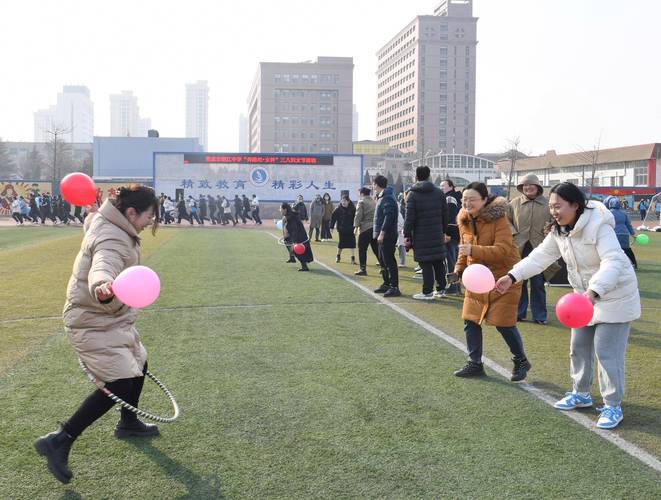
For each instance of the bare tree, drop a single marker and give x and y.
(7, 164)
(59, 153)
(590, 158)
(33, 167)
(513, 154)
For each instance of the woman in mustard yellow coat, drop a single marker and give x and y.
(485, 238)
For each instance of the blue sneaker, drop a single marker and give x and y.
(573, 400)
(610, 417)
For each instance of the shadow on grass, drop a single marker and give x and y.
(71, 495)
(645, 338)
(197, 486)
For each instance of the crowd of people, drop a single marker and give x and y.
(521, 242)
(217, 210)
(38, 208)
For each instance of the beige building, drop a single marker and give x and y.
(197, 112)
(302, 107)
(426, 83)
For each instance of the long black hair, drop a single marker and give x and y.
(571, 194)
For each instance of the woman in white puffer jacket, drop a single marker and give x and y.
(583, 235)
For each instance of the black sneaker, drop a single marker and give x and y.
(290, 261)
(382, 289)
(362, 272)
(520, 370)
(541, 322)
(471, 369)
(392, 292)
(135, 428)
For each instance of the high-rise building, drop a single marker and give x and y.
(426, 83)
(302, 107)
(243, 134)
(73, 114)
(125, 120)
(197, 112)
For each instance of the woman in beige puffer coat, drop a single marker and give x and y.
(101, 329)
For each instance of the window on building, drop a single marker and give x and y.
(640, 176)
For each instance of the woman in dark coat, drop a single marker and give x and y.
(294, 232)
(343, 217)
(301, 209)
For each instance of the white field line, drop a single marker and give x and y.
(612, 437)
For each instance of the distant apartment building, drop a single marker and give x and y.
(243, 134)
(426, 83)
(302, 107)
(125, 120)
(73, 115)
(197, 112)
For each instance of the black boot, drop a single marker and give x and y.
(291, 260)
(304, 267)
(521, 367)
(362, 272)
(471, 369)
(55, 447)
(136, 428)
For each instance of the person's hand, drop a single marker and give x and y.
(446, 238)
(465, 249)
(380, 238)
(591, 295)
(104, 292)
(503, 284)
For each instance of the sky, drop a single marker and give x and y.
(564, 74)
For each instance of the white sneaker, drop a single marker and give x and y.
(424, 296)
(439, 294)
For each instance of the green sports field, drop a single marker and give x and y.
(300, 385)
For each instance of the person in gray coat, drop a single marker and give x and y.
(316, 214)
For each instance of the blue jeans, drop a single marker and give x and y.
(537, 299)
(451, 249)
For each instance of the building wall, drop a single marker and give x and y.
(125, 120)
(73, 113)
(302, 107)
(131, 157)
(426, 81)
(197, 112)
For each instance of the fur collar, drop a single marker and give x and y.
(495, 208)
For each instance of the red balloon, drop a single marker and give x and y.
(299, 249)
(574, 310)
(78, 189)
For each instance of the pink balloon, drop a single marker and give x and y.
(574, 310)
(137, 286)
(478, 278)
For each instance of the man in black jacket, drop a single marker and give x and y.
(425, 230)
(453, 199)
(385, 233)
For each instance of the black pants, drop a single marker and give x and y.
(325, 230)
(433, 271)
(631, 256)
(365, 240)
(17, 217)
(316, 229)
(388, 262)
(510, 334)
(239, 213)
(97, 404)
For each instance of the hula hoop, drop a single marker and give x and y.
(124, 404)
(281, 241)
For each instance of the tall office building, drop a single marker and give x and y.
(73, 114)
(125, 120)
(426, 83)
(243, 134)
(197, 112)
(302, 107)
